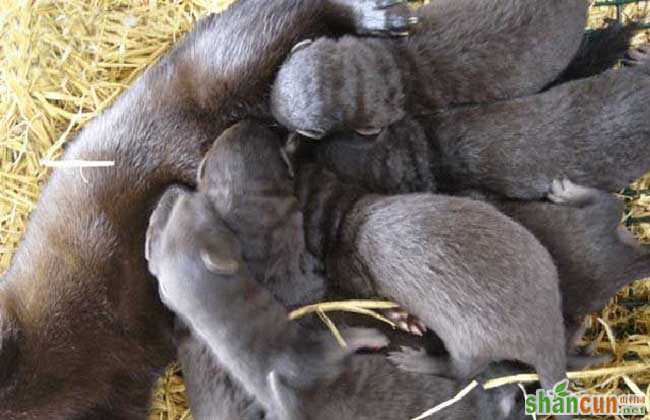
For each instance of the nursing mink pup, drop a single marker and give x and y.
(295, 373)
(594, 254)
(593, 131)
(249, 185)
(462, 52)
(467, 262)
(84, 334)
(204, 279)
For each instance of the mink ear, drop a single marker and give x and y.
(219, 249)
(219, 263)
(9, 343)
(160, 215)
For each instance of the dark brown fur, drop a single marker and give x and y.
(85, 332)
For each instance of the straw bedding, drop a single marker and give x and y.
(63, 61)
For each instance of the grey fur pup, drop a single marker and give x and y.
(593, 131)
(202, 277)
(246, 179)
(461, 52)
(294, 373)
(594, 254)
(484, 284)
(83, 333)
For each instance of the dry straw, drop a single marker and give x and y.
(63, 61)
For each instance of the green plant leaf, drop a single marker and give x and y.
(560, 389)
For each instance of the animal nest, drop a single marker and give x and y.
(63, 62)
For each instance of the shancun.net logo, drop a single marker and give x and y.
(560, 401)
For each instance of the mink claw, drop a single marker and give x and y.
(418, 327)
(415, 330)
(312, 134)
(368, 132)
(406, 322)
(384, 17)
(413, 20)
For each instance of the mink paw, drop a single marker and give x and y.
(639, 56)
(381, 17)
(418, 361)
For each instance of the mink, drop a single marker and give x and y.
(461, 52)
(86, 335)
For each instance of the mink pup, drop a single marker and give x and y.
(468, 263)
(594, 254)
(84, 334)
(592, 131)
(295, 373)
(422, 269)
(248, 183)
(471, 51)
(202, 277)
